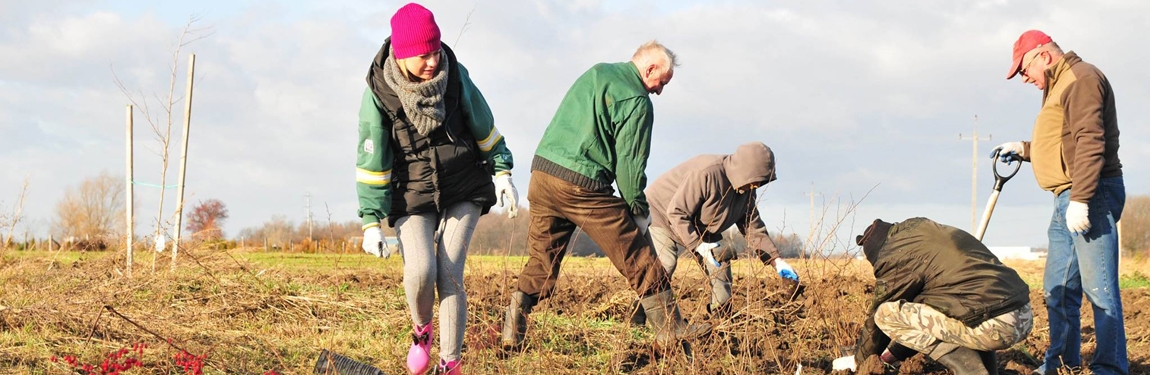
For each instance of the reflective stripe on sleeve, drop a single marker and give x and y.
(487, 143)
(371, 177)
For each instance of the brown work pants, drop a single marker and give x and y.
(557, 208)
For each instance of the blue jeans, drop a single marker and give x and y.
(1086, 263)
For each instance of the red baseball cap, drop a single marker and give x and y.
(1029, 40)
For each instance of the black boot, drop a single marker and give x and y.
(638, 314)
(963, 361)
(670, 328)
(721, 311)
(899, 353)
(515, 321)
(990, 361)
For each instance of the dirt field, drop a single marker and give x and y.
(274, 313)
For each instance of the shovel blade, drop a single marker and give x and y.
(332, 364)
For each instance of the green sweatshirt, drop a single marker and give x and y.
(375, 153)
(602, 130)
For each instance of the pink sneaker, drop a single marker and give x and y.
(449, 367)
(419, 356)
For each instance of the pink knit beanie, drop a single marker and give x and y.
(413, 31)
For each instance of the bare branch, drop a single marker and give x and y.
(161, 121)
(466, 22)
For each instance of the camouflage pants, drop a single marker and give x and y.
(922, 328)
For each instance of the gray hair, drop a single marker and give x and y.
(1051, 47)
(656, 53)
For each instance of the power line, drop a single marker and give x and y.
(307, 214)
(974, 173)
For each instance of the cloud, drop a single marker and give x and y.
(849, 95)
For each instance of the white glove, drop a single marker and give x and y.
(507, 195)
(1078, 218)
(642, 223)
(1008, 151)
(844, 363)
(705, 248)
(785, 270)
(373, 243)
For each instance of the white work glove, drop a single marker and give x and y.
(373, 243)
(1008, 151)
(785, 270)
(506, 194)
(1078, 218)
(844, 363)
(705, 249)
(642, 222)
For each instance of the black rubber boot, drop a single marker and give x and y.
(899, 352)
(990, 361)
(638, 314)
(722, 311)
(963, 361)
(515, 321)
(667, 322)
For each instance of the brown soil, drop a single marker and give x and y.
(250, 320)
(773, 331)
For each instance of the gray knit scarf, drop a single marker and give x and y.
(422, 101)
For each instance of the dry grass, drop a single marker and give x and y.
(249, 313)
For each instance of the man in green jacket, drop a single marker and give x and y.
(600, 134)
(940, 292)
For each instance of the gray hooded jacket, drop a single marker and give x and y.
(698, 200)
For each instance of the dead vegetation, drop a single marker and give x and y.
(253, 317)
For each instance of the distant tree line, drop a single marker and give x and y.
(92, 212)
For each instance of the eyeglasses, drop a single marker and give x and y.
(1026, 67)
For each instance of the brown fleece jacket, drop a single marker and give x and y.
(1075, 140)
(699, 199)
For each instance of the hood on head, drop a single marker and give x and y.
(751, 162)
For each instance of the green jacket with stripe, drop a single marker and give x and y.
(400, 172)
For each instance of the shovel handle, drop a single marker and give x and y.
(1000, 179)
(986, 214)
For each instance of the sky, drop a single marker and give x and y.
(863, 102)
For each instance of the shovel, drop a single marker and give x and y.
(999, 180)
(332, 364)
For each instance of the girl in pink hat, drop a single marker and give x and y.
(430, 161)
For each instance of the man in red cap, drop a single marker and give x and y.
(1074, 154)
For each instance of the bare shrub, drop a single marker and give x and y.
(92, 210)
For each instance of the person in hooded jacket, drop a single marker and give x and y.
(693, 203)
(428, 150)
(939, 291)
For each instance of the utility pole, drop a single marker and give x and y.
(974, 173)
(811, 235)
(307, 198)
(812, 195)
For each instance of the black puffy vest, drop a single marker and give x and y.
(445, 167)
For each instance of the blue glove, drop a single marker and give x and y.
(1007, 152)
(785, 270)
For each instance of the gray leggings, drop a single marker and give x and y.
(434, 251)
